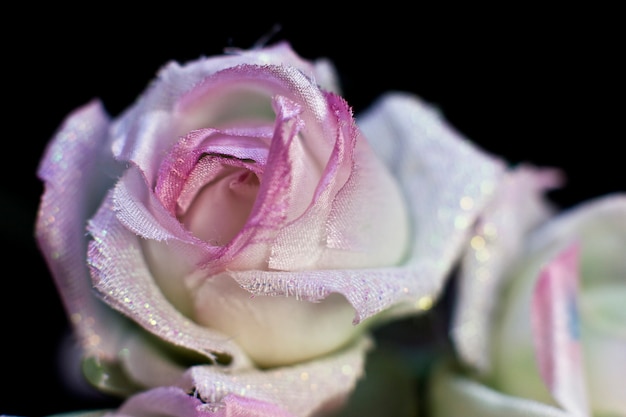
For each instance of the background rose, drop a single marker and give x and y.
(310, 226)
(539, 326)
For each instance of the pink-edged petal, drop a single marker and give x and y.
(76, 176)
(368, 224)
(144, 132)
(276, 194)
(246, 90)
(556, 332)
(123, 279)
(175, 402)
(286, 179)
(182, 160)
(142, 213)
(454, 394)
(357, 218)
(369, 290)
(218, 199)
(497, 241)
(304, 389)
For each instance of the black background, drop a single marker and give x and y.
(531, 85)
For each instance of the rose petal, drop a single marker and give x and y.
(370, 290)
(250, 144)
(74, 169)
(498, 239)
(305, 389)
(357, 217)
(142, 213)
(445, 178)
(219, 210)
(274, 331)
(122, 277)
(556, 331)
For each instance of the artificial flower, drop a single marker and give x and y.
(237, 230)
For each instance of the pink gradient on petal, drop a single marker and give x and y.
(209, 170)
(556, 326)
(245, 83)
(121, 275)
(160, 113)
(73, 187)
(183, 158)
(356, 217)
(217, 199)
(273, 199)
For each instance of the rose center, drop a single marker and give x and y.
(218, 198)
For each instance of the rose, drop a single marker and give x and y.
(240, 226)
(540, 326)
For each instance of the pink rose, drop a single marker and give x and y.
(233, 230)
(539, 324)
